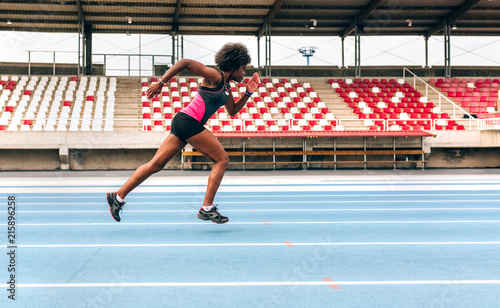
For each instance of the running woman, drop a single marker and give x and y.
(188, 124)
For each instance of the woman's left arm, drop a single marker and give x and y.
(234, 107)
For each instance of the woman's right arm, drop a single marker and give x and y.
(212, 76)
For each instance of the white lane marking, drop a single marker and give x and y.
(281, 210)
(273, 202)
(259, 188)
(251, 283)
(260, 222)
(149, 196)
(248, 179)
(253, 244)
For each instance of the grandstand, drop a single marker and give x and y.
(70, 103)
(79, 117)
(54, 112)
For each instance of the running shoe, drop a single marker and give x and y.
(115, 206)
(212, 215)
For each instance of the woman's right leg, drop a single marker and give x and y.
(168, 149)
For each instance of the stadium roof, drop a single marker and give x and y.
(249, 17)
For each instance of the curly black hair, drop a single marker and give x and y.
(231, 56)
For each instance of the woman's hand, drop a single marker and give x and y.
(154, 89)
(253, 83)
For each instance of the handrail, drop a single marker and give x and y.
(482, 125)
(150, 58)
(440, 95)
(489, 124)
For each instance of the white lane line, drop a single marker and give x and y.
(260, 188)
(283, 210)
(253, 180)
(251, 283)
(149, 196)
(274, 202)
(260, 222)
(252, 244)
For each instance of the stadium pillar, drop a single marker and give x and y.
(426, 51)
(357, 51)
(80, 48)
(173, 48)
(268, 50)
(87, 33)
(258, 51)
(447, 53)
(343, 63)
(177, 47)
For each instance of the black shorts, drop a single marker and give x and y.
(185, 126)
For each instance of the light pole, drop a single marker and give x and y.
(308, 52)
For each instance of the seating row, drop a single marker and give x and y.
(477, 96)
(62, 96)
(272, 102)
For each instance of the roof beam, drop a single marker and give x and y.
(361, 17)
(453, 16)
(177, 11)
(37, 13)
(175, 19)
(270, 17)
(81, 14)
(47, 2)
(42, 21)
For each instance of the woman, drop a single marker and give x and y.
(187, 125)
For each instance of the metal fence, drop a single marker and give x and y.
(114, 64)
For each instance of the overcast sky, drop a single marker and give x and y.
(408, 50)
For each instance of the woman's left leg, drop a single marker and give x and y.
(206, 143)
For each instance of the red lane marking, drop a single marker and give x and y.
(333, 286)
(266, 223)
(252, 210)
(288, 244)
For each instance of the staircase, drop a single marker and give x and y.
(128, 107)
(446, 106)
(337, 106)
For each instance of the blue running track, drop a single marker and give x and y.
(296, 239)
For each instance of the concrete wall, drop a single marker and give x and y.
(10, 68)
(464, 158)
(35, 159)
(110, 159)
(129, 150)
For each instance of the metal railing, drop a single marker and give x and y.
(441, 97)
(134, 63)
(54, 59)
(131, 64)
(489, 124)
